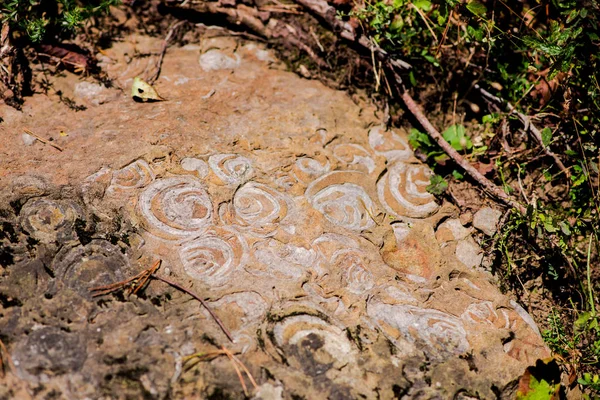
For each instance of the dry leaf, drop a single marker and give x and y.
(143, 91)
(69, 56)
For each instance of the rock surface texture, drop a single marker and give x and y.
(303, 222)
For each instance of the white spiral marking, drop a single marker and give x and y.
(307, 169)
(134, 176)
(358, 279)
(402, 191)
(292, 330)
(214, 256)
(344, 205)
(353, 154)
(389, 144)
(282, 261)
(232, 169)
(195, 164)
(176, 207)
(256, 208)
(441, 335)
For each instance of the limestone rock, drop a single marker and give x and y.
(302, 221)
(486, 220)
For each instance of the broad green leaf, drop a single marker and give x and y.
(457, 175)
(538, 390)
(546, 136)
(424, 5)
(457, 137)
(583, 320)
(565, 228)
(437, 185)
(477, 8)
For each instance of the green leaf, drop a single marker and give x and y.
(457, 175)
(565, 228)
(419, 139)
(424, 5)
(477, 8)
(538, 390)
(546, 136)
(437, 185)
(457, 137)
(581, 323)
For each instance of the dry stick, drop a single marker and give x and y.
(234, 358)
(234, 361)
(464, 164)
(328, 13)
(163, 51)
(212, 314)
(529, 127)
(237, 370)
(133, 284)
(41, 139)
(11, 365)
(138, 281)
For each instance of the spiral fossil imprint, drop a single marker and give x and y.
(389, 144)
(133, 176)
(307, 169)
(354, 155)
(176, 207)
(50, 220)
(214, 256)
(231, 169)
(440, 335)
(256, 208)
(292, 330)
(342, 200)
(95, 264)
(274, 259)
(402, 191)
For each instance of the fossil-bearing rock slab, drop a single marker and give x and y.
(301, 219)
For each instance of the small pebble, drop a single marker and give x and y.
(28, 140)
(486, 220)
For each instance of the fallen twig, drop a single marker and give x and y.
(163, 51)
(234, 361)
(131, 285)
(212, 314)
(134, 284)
(329, 14)
(5, 354)
(41, 139)
(464, 164)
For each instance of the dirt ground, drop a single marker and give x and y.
(286, 204)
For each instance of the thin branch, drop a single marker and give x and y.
(4, 353)
(163, 51)
(41, 139)
(134, 284)
(329, 14)
(204, 304)
(209, 356)
(458, 159)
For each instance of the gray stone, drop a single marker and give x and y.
(486, 220)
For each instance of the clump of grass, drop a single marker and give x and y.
(38, 21)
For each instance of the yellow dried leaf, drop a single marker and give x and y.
(143, 91)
